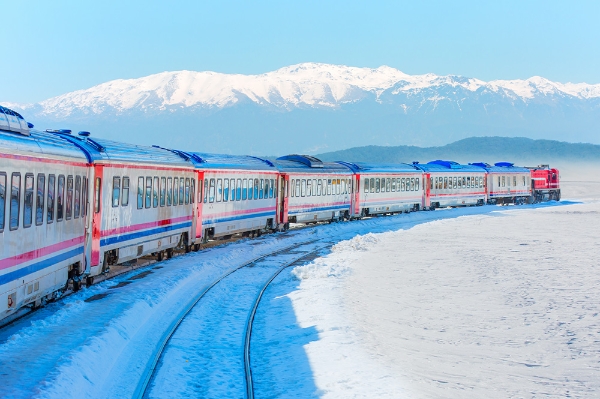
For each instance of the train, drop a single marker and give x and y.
(72, 205)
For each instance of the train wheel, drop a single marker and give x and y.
(76, 285)
(188, 249)
(196, 247)
(160, 256)
(89, 281)
(169, 253)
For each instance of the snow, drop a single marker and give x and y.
(457, 303)
(501, 304)
(306, 84)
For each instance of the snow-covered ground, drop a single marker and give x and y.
(484, 301)
(499, 304)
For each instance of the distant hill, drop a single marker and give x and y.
(475, 149)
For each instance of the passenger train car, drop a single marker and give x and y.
(71, 205)
(381, 189)
(453, 184)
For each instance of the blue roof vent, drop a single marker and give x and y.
(59, 131)
(307, 160)
(504, 164)
(84, 134)
(481, 164)
(30, 125)
(445, 164)
(415, 162)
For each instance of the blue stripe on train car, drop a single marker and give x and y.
(133, 236)
(318, 209)
(237, 217)
(35, 267)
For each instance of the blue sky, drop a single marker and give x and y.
(53, 47)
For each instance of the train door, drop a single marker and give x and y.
(356, 196)
(199, 202)
(96, 212)
(426, 191)
(283, 200)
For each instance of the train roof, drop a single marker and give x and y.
(97, 149)
(447, 166)
(308, 164)
(366, 167)
(501, 167)
(204, 160)
(40, 143)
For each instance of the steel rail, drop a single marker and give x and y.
(144, 382)
(248, 335)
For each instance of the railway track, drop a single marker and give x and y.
(144, 385)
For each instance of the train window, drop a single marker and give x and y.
(169, 191)
(181, 190)
(328, 186)
(438, 183)
(366, 186)
(97, 193)
(385, 181)
(77, 201)
(50, 199)
(377, 185)
(187, 190)
(206, 190)
(60, 198)
(515, 181)
(503, 181)
(337, 187)
(84, 195)
(468, 184)
(155, 191)
(2, 200)
(256, 188)
(28, 202)
(124, 192)
(303, 188)
(192, 190)
(238, 190)
(261, 189)
(293, 188)
(417, 184)
(272, 188)
(39, 201)
(15, 198)
(524, 181)
(148, 196)
(393, 185)
(244, 189)
(250, 188)
(308, 187)
(319, 187)
(176, 191)
(402, 185)
(140, 196)
(464, 182)
(116, 191)
(225, 190)
(211, 191)
(296, 191)
(454, 182)
(219, 190)
(232, 185)
(163, 191)
(459, 182)
(69, 203)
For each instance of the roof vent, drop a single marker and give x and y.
(481, 164)
(59, 131)
(445, 164)
(504, 164)
(12, 121)
(84, 134)
(307, 160)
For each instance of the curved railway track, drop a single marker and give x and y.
(143, 387)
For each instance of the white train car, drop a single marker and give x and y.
(385, 189)
(238, 195)
(43, 211)
(453, 184)
(141, 202)
(506, 183)
(318, 191)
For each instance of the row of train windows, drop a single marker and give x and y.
(154, 191)
(319, 187)
(504, 181)
(217, 190)
(460, 182)
(377, 185)
(63, 197)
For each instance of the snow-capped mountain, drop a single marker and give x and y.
(335, 105)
